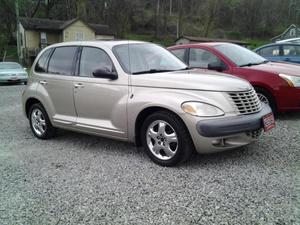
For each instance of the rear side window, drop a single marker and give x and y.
(291, 50)
(179, 53)
(201, 58)
(61, 61)
(41, 65)
(269, 51)
(93, 59)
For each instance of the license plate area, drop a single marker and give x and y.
(268, 122)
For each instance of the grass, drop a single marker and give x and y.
(170, 40)
(163, 40)
(255, 43)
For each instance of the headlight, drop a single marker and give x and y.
(293, 81)
(201, 109)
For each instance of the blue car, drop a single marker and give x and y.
(11, 72)
(288, 52)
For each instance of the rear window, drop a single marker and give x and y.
(41, 65)
(61, 61)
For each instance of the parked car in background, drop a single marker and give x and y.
(291, 40)
(277, 84)
(287, 52)
(11, 72)
(140, 92)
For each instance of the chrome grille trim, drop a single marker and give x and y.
(246, 102)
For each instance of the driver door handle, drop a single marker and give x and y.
(78, 85)
(43, 82)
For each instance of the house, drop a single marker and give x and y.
(292, 31)
(191, 39)
(35, 34)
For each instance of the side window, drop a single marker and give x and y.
(179, 53)
(291, 50)
(93, 59)
(41, 65)
(269, 51)
(61, 61)
(201, 58)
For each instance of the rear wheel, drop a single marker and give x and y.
(166, 139)
(40, 123)
(265, 97)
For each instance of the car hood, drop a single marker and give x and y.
(191, 80)
(278, 67)
(12, 71)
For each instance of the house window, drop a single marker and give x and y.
(43, 38)
(79, 36)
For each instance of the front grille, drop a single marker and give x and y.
(246, 102)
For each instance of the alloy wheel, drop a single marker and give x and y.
(38, 122)
(162, 140)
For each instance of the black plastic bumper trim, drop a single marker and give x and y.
(233, 125)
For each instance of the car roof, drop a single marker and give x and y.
(108, 44)
(276, 44)
(207, 44)
(288, 40)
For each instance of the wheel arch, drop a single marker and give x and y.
(144, 114)
(269, 92)
(31, 101)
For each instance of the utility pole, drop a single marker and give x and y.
(17, 26)
(171, 3)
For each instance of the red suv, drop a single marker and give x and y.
(277, 84)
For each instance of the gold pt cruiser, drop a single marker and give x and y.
(139, 92)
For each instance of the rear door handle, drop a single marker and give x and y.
(43, 82)
(78, 85)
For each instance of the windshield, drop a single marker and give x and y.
(5, 66)
(146, 58)
(240, 55)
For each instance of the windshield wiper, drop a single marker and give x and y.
(151, 71)
(254, 64)
(249, 64)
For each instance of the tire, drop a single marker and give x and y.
(267, 98)
(40, 123)
(25, 83)
(166, 139)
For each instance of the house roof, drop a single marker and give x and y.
(280, 35)
(59, 25)
(204, 39)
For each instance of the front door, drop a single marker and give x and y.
(100, 102)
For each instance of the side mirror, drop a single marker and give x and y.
(218, 66)
(105, 73)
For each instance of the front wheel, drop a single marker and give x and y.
(40, 123)
(166, 139)
(266, 98)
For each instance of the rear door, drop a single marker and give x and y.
(271, 53)
(291, 53)
(100, 102)
(56, 85)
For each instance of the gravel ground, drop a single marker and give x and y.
(81, 179)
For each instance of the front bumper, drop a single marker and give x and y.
(221, 134)
(233, 125)
(14, 80)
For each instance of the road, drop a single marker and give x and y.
(80, 179)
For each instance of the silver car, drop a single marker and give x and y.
(11, 72)
(139, 92)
